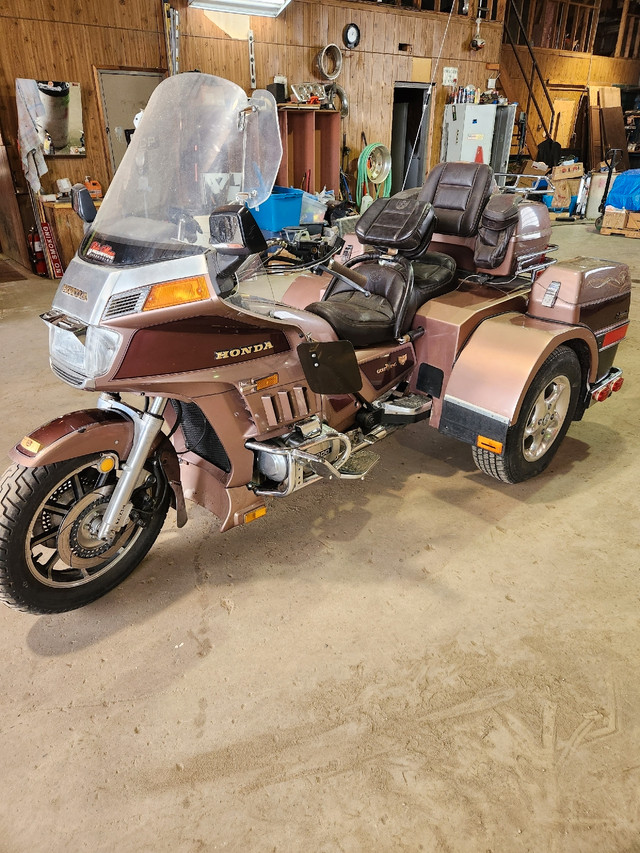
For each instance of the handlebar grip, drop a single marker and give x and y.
(347, 272)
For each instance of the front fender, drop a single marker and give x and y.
(494, 369)
(95, 431)
(75, 434)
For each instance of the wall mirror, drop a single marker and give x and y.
(56, 106)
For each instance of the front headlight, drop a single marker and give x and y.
(91, 358)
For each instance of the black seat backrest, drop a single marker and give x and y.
(458, 193)
(402, 222)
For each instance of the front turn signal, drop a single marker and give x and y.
(178, 292)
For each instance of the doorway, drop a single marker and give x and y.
(411, 119)
(123, 93)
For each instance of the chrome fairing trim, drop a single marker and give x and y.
(85, 288)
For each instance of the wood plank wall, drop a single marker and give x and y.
(65, 39)
(563, 68)
(289, 44)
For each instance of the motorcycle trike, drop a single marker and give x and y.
(232, 371)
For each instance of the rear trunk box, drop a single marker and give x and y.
(588, 292)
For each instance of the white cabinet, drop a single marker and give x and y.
(478, 133)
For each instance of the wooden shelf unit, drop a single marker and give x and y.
(310, 143)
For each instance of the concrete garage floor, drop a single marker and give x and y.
(426, 660)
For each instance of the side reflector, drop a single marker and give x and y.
(489, 444)
(615, 335)
(267, 382)
(106, 464)
(177, 292)
(30, 444)
(255, 513)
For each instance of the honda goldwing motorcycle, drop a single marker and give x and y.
(454, 314)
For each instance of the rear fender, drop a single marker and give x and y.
(493, 371)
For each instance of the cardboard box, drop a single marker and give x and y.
(614, 219)
(564, 192)
(531, 168)
(633, 220)
(569, 170)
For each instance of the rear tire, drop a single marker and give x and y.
(545, 416)
(50, 558)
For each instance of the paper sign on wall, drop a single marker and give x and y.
(449, 76)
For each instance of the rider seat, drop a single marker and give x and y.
(383, 313)
(405, 224)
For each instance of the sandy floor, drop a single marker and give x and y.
(426, 660)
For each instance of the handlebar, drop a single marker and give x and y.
(346, 272)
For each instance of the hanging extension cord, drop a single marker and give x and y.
(428, 101)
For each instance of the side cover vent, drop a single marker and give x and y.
(285, 406)
(125, 303)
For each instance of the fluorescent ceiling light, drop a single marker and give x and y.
(262, 8)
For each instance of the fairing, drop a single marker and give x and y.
(201, 144)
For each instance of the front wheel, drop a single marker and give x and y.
(547, 411)
(50, 557)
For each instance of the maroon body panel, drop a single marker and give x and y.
(197, 344)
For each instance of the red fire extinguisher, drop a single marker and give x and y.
(35, 253)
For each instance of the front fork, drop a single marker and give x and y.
(147, 426)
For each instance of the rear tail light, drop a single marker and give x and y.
(602, 393)
(607, 390)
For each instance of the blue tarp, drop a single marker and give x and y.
(625, 193)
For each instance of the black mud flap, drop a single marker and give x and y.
(330, 367)
(470, 424)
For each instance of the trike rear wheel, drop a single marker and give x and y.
(547, 411)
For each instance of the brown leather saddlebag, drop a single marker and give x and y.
(497, 224)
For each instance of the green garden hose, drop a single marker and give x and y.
(374, 165)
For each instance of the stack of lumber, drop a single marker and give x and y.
(606, 125)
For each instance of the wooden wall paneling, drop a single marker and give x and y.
(605, 69)
(12, 238)
(118, 14)
(563, 66)
(68, 52)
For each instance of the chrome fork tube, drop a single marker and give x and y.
(147, 425)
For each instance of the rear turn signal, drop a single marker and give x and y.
(178, 292)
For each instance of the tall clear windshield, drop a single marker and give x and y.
(201, 143)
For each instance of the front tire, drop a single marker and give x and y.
(547, 411)
(50, 557)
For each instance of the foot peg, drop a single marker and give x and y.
(404, 410)
(358, 464)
